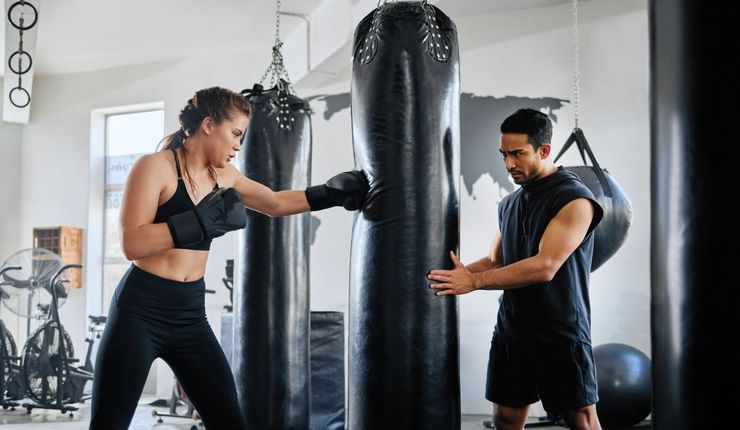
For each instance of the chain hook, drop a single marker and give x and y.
(276, 70)
(576, 65)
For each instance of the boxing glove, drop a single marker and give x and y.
(347, 189)
(219, 212)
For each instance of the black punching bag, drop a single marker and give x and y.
(694, 243)
(271, 298)
(405, 120)
(612, 231)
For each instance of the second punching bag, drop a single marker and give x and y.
(271, 299)
(404, 367)
(612, 231)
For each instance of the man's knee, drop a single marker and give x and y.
(507, 418)
(582, 419)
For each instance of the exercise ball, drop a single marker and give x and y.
(623, 376)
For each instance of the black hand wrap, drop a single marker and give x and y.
(347, 189)
(219, 212)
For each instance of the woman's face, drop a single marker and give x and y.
(225, 139)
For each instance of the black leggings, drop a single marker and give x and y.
(154, 317)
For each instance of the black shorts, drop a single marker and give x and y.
(562, 375)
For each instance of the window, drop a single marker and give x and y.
(127, 137)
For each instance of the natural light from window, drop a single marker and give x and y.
(128, 136)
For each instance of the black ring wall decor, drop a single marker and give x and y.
(20, 25)
(16, 102)
(21, 70)
(17, 18)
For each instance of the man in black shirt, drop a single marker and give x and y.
(541, 346)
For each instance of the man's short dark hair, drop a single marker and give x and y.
(535, 124)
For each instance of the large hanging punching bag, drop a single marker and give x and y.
(271, 292)
(405, 119)
(695, 300)
(612, 231)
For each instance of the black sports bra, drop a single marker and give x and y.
(179, 202)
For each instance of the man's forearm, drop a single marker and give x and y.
(522, 273)
(482, 265)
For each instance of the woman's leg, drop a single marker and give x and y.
(201, 368)
(127, 349)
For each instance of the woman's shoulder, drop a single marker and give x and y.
(228, 175)
(156, 159)
(155, 164)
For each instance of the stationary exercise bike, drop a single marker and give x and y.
(229, 284)
(24, 290)
(179, 397)
(51, 379)
(11, 388)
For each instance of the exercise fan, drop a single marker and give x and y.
(28, 290)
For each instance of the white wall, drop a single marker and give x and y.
(522, 53)
(11, 137)
(10, 172)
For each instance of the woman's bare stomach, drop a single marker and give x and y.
(176, 264)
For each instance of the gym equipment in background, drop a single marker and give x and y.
(179, 397)
(612, 231)
(95, 327)
(11, 388)
(271, 307)
(28, 290)
(25, 290)
(404, 356)
(229, 284)
(327, 367)
(624, 379)
(50, 379)
(327, 371)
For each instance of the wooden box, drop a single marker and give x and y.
(66, 242)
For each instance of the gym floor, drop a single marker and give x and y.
(143, 420)
(40, 419)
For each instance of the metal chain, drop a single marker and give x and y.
(20, 50)
(277, 23)
(276, 70)
(20, 66)
(576, 82)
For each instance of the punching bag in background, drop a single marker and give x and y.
(405, 120)
(612, 231)
(271, 298)
(695, 301)
(327, 371)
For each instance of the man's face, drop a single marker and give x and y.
(523, 163)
